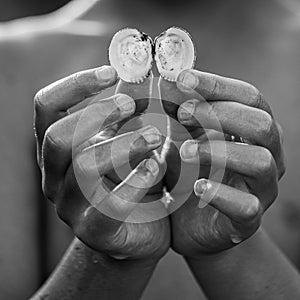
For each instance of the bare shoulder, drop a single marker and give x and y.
(45, 50)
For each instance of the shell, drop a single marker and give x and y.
(174, 52)
(130, 53)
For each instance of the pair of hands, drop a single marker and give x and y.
(81, 147)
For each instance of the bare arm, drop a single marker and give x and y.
(86, 274)
(216, 228)
(89, 197)
(255, 269)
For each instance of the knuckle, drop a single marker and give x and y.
(84, 81)
(257, 96)
(89, 164)
(215, 85)
(120, 238)
(256, 93)
(53, 140)
(38, 100)
(210, 110)
(259, 100)
(266, 163)
(267, 126)
(78, 81)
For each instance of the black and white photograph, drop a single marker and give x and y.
(149, 150)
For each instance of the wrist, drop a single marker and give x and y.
(84, 273)
(242, 249)
(94, 257)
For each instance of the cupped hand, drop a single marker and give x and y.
(231, 128)
(77, 156)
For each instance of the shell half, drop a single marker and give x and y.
(174, 52)
(130, 53)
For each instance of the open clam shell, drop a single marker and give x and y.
(130, 53)
(174, 52)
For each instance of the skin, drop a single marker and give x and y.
(87, 274)
(86, 192)
(241, 111)
(116, 245)
(207, 228)
(55, 132)
(255, 269)
(68, 52)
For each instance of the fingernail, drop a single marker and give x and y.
(188, 150)
(125, 104)
(152, 166)
(200, 187)
(189, 80)
(151, 134)
(186, 111)
(105, 73)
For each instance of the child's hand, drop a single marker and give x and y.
(77, 156)
(232, 210)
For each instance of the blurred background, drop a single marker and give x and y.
(13, 9)
(257, 41)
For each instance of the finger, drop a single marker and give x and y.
(101, 136)
(67, 134)
(69, 91)
(95, 190)
(243, 209)
(255, 163)
(99, 159)
(171, 98)
(85, 123)
(139, 92)
(214, 87)
(125, 197)
(105, 218)
(255, 125)
(53, 102)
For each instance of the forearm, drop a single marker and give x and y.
(86, 274)
(255, 269)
